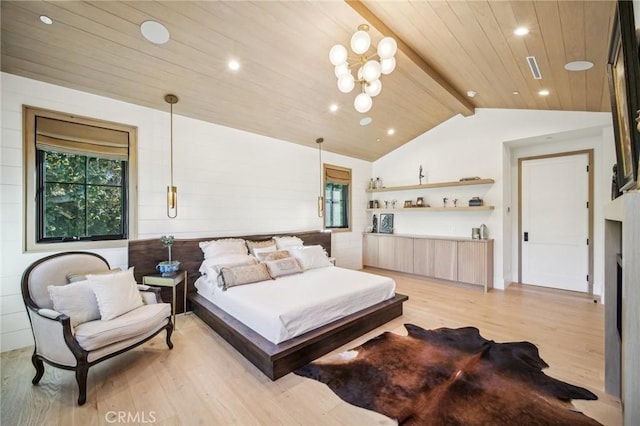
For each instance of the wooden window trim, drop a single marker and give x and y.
(29, 115)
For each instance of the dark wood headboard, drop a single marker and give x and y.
(146, 254)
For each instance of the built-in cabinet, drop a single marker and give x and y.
(455, 259)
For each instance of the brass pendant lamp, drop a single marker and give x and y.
(321, 196)
(172, 191)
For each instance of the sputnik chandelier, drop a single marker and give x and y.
(369, 71)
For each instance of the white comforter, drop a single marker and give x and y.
(289, 306)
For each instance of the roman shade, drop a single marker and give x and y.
(82, 139)
(335, 174)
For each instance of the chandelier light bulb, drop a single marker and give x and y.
(341, 69)
(387, 48)
(363, 70)
(387, 65)
(371, 70)
(362, 103)
(346, 83)
(360, 42)
(373, 88)
(338, 54)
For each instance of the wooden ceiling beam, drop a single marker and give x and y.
(466, 108)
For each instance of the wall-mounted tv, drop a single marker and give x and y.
(623, 71)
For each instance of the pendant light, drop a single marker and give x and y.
(172, 191)
(321, 196)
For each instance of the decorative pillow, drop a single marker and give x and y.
(310, 257)
(243, 275)
(82, 276)
(117, 293)
(76, 300)
(286, 242)
(274, 255)
(212, 266)
(281, 267)
(260, 244)
(223, 247)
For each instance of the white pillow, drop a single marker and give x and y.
(76, 300)
(223, 247)
(310, 257)
(286, 242)
(212, 266)
(117, 293)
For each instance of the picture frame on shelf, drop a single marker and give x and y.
(623, 74)
(386, 223)
(408, 203)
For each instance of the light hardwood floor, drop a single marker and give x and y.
(203, 381)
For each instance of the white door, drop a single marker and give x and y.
(555, 222)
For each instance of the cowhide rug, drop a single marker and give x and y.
(450, 377)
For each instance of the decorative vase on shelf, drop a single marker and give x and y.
(168, 267)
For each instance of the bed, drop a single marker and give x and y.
(280, 350)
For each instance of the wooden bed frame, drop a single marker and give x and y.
(273, 360)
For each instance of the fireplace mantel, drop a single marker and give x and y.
(622, 356)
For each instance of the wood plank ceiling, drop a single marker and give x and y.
(286, 83)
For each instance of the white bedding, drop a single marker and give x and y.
(289, 306)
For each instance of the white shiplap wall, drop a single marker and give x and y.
(229, 182)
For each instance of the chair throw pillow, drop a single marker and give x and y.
(82, 276)
(239, 275)
(117, 293)
(76, 300)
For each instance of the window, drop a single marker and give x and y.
(80, 181)
(337, 189)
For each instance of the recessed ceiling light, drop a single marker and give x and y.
(155, 32)
(378, 140)
(234, 65)
(471, 93)
(390, 132)
(543, 92)
(515, 92)
(578, 66)
(521, 31)
(333, 107)
(46, 20)
(366, 121)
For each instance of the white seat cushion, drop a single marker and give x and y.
(96, 334)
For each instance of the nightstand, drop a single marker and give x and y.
(169, 281)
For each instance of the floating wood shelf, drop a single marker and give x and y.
(432, 209)
(434, 185)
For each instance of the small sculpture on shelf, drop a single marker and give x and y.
(455, 202)
(375, 224)
(444, 202)
(420, 175)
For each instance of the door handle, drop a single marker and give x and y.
(526, 236)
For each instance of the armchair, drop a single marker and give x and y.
(60, 344)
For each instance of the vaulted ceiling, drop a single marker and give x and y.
(285, 83)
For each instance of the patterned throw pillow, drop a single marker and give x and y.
(243, 275)
(282, 267)
(274, 255)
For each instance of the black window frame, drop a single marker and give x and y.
(40, 201)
